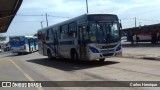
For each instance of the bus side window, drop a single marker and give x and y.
(39, 35)
(64, 32)
(48, 34)
(31, 40)
(59, 33)
(26, 40)
(73, 30)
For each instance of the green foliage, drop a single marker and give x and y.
(2, 38)
(35, 34)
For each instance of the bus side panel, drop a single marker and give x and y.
(35, 44)
(27, 44)
(32, 45)
(41, 42)
(65, 47)
(40, 48)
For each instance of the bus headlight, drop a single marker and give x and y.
(94, 50)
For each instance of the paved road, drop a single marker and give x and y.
(35, 67)
(142, 51)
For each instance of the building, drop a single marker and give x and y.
(143, 33)
(8, 10)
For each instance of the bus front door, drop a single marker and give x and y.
(29, 44)
(82, 42)
(34, 44)
(55, 37)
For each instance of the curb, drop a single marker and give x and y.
(142, 57)
(152, 58)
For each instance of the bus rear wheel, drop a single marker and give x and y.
(49, 54)
(19, 53)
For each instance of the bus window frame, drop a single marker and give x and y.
(72, 25)
(62, 34)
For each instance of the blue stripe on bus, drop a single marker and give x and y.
(66, 43)
(61, 43)
(69, 42)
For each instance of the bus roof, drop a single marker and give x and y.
(74, 19)
(25, 36)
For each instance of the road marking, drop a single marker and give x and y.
(25, 74)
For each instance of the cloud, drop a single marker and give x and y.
(142, 9)
(74, 7)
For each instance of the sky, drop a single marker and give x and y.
(32, 13)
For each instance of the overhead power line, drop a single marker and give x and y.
(58, 16)
(42, 15)
(28, 15)
(140, 19)
(148, 20)
(126, 18)
(25, 21)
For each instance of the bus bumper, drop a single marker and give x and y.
(18, 50)
(95, 56)
(119, 54)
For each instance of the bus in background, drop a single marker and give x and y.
(35, 40)
(144, 37)
(87, 37)
(153, 37)
(4, 44)
(23, 44)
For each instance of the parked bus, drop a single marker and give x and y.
(4, 44)
(88, 37)
(23, 44)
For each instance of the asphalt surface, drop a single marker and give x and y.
(35, 67)
(143, 50)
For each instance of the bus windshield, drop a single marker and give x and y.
(16, 39)
(104, 32)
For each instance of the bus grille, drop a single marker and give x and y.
(109, 54)
(109, 46)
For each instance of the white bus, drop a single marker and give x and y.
(88, 37)
(4, 44)
(23, 44)
(143, 38)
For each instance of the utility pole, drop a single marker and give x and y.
(87, 5)
(135, 22)
(140, 24)
(136, 33)
(47, 19)
(41, 24)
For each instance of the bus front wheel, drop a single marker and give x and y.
(74, 56)
(102, 60)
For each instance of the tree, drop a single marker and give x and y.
(35, 35)
(2, 38)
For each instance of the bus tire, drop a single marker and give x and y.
(19, 53)
(102, 59)
(49, 54)
(74, 56)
